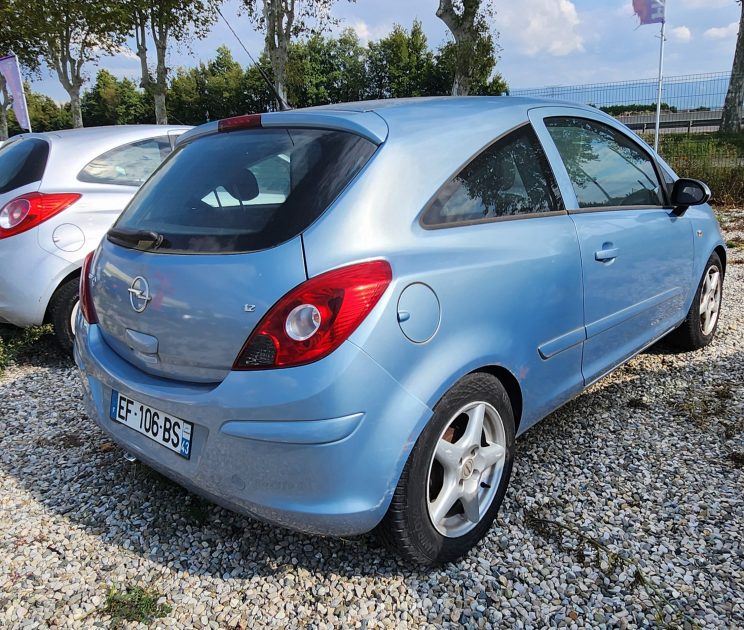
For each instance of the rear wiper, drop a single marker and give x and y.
(137, 239)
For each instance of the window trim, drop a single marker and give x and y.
(657, 170)
(513, 217)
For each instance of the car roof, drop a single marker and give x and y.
(103, 134)
(374, 119)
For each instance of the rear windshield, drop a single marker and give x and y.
(22, 162)
(245, 190)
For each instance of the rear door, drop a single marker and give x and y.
(212, 241)
(636, 253)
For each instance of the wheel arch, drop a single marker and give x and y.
(75, 273)
(721, 251)
(512, 387)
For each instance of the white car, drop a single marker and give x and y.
(59, 193)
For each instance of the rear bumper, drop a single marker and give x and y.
(318, 448)
(30, 277)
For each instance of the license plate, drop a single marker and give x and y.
(169, 431)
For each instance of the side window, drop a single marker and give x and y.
(127, 165)
(511, 177)
(606, 167)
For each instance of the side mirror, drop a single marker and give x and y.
(689, 192)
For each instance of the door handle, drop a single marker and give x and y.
(607, 253)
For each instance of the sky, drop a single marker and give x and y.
(543, 42)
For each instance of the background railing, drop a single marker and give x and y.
(690, 139)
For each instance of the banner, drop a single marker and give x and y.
(14, 83)
(650, 11)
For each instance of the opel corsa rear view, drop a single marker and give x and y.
(338, 319)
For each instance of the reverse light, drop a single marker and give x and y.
(246, 121)
(315, 318)
(86, 300)
(29, 210)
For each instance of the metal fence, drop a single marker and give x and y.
(690, 141)
(690, 103)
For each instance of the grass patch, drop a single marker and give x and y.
(15, 341)
(735, 243)
(134, 604)
(715, 158)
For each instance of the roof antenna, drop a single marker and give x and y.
(283, 105)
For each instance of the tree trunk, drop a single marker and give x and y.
(279, 19)
(75, 111)
(161, 114)
(462, 27)
(4, 104)
(161, 78)
(731, 121)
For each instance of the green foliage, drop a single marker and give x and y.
(330, 70)
(626, 110)
(113, 102)
(45, 114)
(134, 604)
(320, 70)
(484, 82)
(217, 89)
(15, 341)
(400, 64)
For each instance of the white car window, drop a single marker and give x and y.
(127, 165)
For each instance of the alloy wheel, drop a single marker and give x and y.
(466, 468)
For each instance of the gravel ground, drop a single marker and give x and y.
(625, 510)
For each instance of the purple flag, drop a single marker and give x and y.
(650, 11)
(12, 74)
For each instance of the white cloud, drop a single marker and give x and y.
(704, 4)
(722, 32)
(680, 34)
(364, 31)
(541, 26)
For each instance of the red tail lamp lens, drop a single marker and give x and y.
(29, 210)
(316, 317)
(86, 300)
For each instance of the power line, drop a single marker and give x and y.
(283, 105)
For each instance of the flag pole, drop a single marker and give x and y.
(661, 80)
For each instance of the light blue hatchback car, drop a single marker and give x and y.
(338, 319)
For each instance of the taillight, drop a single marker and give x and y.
(246, 121)
(315, 318)
(86, 300)
(27, 211)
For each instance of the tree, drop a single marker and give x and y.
(281, 21)
(467, 21)
(332, 70)
(731, 121)
(69, 34)
(114, 102)
(483, 80)
(400, 64)
(217, 89)
(165, 20)
(13, 38)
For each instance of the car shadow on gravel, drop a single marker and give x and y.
(65, 462)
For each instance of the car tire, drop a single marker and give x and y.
(62, 309)
(701, 323)
(418, 525)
